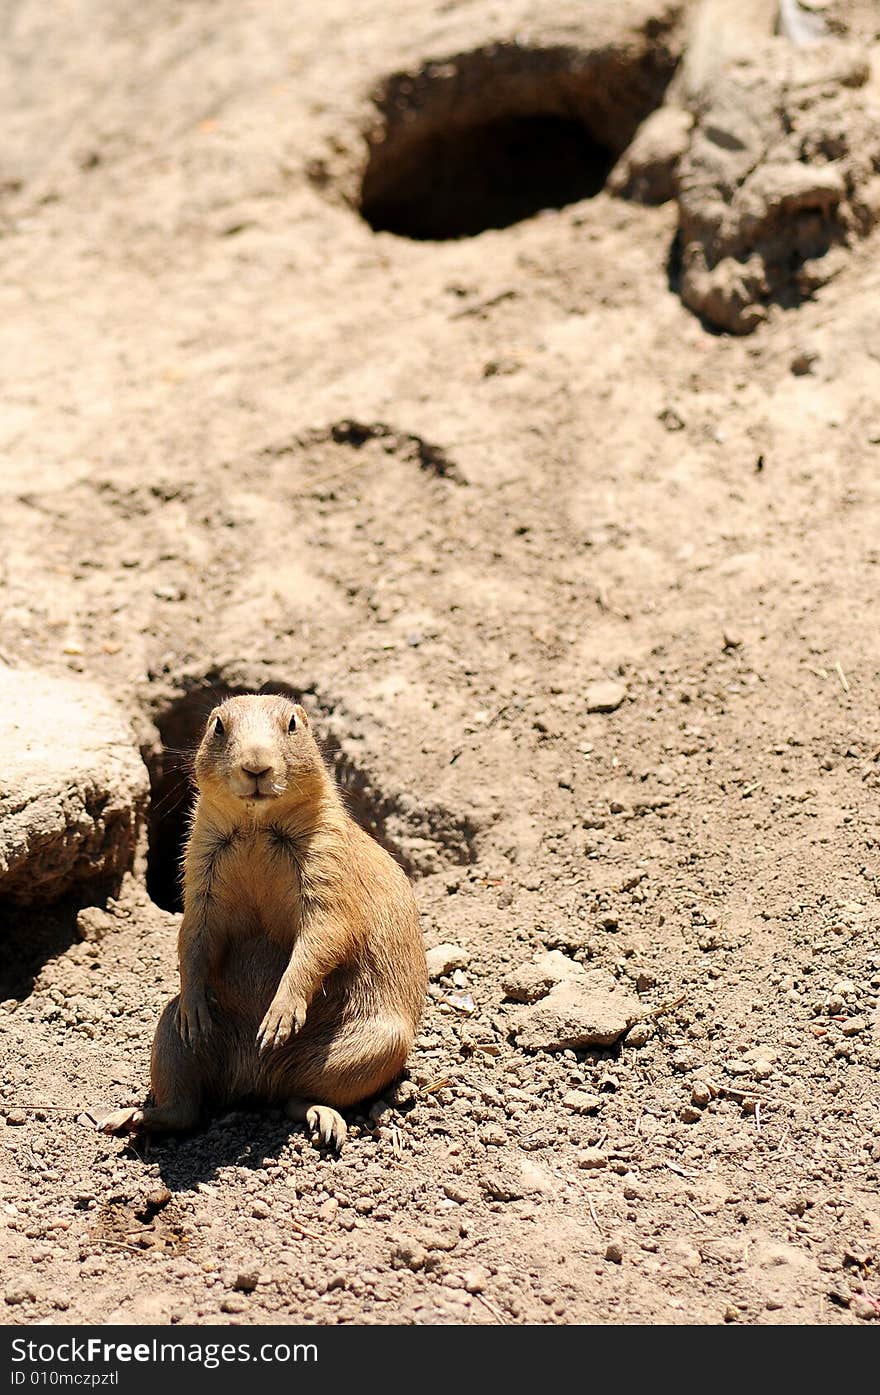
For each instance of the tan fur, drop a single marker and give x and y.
(302, 970)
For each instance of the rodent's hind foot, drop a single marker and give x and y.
(179, 1116)
(122, 1121)
(326, 1125)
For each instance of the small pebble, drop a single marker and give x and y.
(19, 1292)
(853, 1026)
(803, 362)
(590, 1158)
(604, 696)
(442, 959)
(409, 1254)
(233, 1305)
(475, 1280)
(581, 1102)
(739, 1067)
(639, 1035)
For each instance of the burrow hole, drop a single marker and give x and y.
(180, 726)
(491, 137)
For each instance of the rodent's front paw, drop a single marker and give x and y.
(286, 1016)
(193, 1018)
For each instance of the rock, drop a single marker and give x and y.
(455, 1192)
(779, 176)
(73, 788)
(739, 1066)
(260, 1211)
(604, 696)
(803, 361)
(92, 924)
(581, 1102)
(402, 1094)
(701, 1094)
(592, 1158)
(671, 419)
(233, 1305)
(536, 1180)
(614, 1252)
(645, 171)
(442, 959)
(533, 981)
(639, 1035)
(475, 1279)
(576, 1014)
(501, 1184)
(689, 1114)
(444, 1240)
(21, 1290)
(408, 1254)
(153, 1202)
(852, 1026)
(246, 1282)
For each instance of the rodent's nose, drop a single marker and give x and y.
(256, 773)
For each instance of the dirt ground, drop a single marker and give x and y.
(441, 485)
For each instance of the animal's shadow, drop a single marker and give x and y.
(248, 1138)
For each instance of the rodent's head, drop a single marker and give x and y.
(258, 753)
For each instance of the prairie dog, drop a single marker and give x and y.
(302, 968)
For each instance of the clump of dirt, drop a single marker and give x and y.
(779, 173)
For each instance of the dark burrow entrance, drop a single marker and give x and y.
(459, 182)
(486, 138)
(180, 726)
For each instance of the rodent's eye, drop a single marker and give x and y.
(291, 725)
(219, 728)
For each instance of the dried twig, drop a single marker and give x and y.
(666, 1007)
(496, 1312)
(842, 676)
(680, 1171)
(442, 1082)
(50, 1108)
(303, 1229)
(737, 1092)
(593, 1214)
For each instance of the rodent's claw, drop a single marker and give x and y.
(122, 1121)
(193, 1020)
(281, 1022)
(327, 1126)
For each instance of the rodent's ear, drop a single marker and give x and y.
(302, 715)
